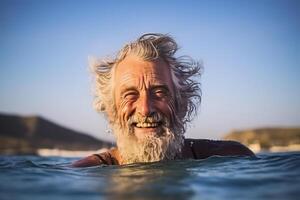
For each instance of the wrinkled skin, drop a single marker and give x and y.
(142, 89)
(145, 119)
(144, 102)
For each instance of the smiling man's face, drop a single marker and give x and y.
(144, 101)
(144, 95)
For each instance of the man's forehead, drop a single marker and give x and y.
(135, 67)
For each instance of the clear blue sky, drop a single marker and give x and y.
(250, 51)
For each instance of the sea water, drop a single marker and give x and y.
(269, 176)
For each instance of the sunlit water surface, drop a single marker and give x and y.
(269, 176)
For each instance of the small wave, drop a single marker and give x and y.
(212, 178)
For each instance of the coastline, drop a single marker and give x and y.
(256, 148)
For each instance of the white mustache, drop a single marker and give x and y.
(156, 118)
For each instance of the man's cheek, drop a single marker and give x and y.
(168, 110)
(123, 116)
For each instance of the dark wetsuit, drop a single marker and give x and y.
(192, 149)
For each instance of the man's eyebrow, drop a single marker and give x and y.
(165, 87)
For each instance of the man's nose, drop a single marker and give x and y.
(144, 106)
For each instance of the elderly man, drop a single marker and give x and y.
(148, 96)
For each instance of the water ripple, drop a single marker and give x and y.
(271, 176)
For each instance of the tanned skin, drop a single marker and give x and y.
(142, 88)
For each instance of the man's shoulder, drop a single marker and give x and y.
(203, 148)
(107, 158)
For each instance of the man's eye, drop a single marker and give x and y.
(160, 93)
(130, 95)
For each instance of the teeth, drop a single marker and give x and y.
(147, 125)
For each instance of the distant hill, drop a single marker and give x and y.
(267, 138)
(24, 135)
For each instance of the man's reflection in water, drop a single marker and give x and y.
(149, 181)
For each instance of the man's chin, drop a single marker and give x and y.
(143, 133)
(149, 144)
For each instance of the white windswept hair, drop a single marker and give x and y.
(185, 73)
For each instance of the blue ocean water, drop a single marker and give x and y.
(269, 176)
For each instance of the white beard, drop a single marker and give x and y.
(151, 148)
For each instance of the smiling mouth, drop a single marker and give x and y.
(147, 125)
